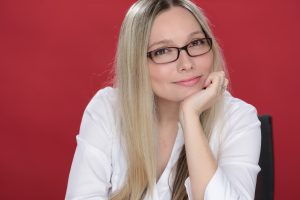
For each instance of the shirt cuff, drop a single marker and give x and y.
(217, 188)
(188, 188)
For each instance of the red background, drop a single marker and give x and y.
(55, 54)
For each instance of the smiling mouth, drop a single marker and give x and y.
(189, 82)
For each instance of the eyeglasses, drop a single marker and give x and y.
(195, 48)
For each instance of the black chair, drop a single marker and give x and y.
(265, 178)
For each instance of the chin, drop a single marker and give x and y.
(186, 92)
(177, 94)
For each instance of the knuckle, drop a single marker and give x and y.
(215, 91)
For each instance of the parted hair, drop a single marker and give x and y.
(136, 100)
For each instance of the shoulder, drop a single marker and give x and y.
(236, 109)
(240, 120)
(104, 99)
(237, 131)
(103, 104)
(100, 116)
(233, 104)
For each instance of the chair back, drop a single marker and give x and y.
(265, 178)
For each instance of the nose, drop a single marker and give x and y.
(185, 61)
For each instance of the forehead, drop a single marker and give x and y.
(174, 24)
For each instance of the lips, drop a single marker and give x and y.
(188, 82)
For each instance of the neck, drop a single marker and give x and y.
(168, 112)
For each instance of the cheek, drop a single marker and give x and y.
(158, 76)
(161, 78)
(205, 64)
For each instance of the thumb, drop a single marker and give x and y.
(207, 82)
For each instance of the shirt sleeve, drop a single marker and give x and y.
(235, 177)
(91, 167)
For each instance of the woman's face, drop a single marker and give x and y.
(177, 80)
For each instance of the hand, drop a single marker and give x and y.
(214, 87)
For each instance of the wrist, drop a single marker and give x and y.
(187, 114)
(189, 109)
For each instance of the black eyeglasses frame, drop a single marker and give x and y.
(179, 49)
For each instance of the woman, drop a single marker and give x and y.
(169, 129)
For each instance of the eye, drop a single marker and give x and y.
(160, 52)
(198, 42)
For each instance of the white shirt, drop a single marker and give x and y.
(99, 164)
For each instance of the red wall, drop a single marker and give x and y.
(55, 54)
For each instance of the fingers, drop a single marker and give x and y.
(214, 86)
(216, 82)
(224, 87)
(208, 81)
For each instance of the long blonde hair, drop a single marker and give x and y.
(136, 98)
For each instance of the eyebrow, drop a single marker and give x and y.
(170, 41)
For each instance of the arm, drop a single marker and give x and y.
(238, 167)
(201, 163)
(91, 167)
(239, 149)
(233, 175)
